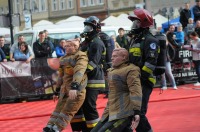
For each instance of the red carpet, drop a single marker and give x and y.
(171, 111)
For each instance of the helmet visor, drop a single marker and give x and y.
(136, 24)
(88, 29)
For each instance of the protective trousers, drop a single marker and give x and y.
(119, 125)
(90, 110)
(78, 122)
(144, 125)
(66, 109)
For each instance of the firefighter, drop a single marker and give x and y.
(125, 97)
(143, 52)
(72, 81)
(96, 54)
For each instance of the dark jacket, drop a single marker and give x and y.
(143, 52)
(123, 42)
(6, 50)
(2, 55)
(95, 50)
(197, 30)
(110, 45)
(171, 40)
(196, 12)
(184, 16)
(41, 49)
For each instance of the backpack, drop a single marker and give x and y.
(109, 45)
(161, 61)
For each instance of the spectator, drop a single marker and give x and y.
(190, 26)
(48, 39)
(16, 46)
(22, 53)
(60, 50)
(122, 39)
(171, 36)
(170, 54)
(5, 48)
(197, 27)
(2, 56)
(185, 14)
(116, 44)
(196, 11)
(195, 48)
(180, 35)
(41, 47)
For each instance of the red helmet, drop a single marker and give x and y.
(143, 16)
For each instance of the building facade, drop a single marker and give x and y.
(55, 10)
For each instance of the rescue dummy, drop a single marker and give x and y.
(125, 96)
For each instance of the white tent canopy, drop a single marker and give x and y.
(123, 16)
(159, 19)
(43, 23)
(120, 21)
(110, 21)
(4, 31)
(72, 19)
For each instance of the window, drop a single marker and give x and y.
(62, 5)
(42, 5)
(26, 5)
(54, 5)
(6, 9)
(34, 6)
(83, 3)
(17, 6)
(100, 2)
(70, 4)
(1, 10)
(91, 2)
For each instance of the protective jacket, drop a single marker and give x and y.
(96, 51)
(125, 96)
(72, 69)
(143, 52)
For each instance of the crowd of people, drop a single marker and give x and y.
(85, 69)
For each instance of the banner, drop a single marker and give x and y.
(16, 69)
(183, 67)
(19, 79)
(28, 21)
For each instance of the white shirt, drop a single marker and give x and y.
(196, 47)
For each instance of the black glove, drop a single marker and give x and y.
(137, 112)
(74, 86)
(57, 91)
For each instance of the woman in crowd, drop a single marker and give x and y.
(22, 53)
(60, 50)
(170, 54)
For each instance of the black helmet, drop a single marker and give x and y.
(93, 21)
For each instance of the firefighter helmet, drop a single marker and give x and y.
(93, 21)
(143, 17)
